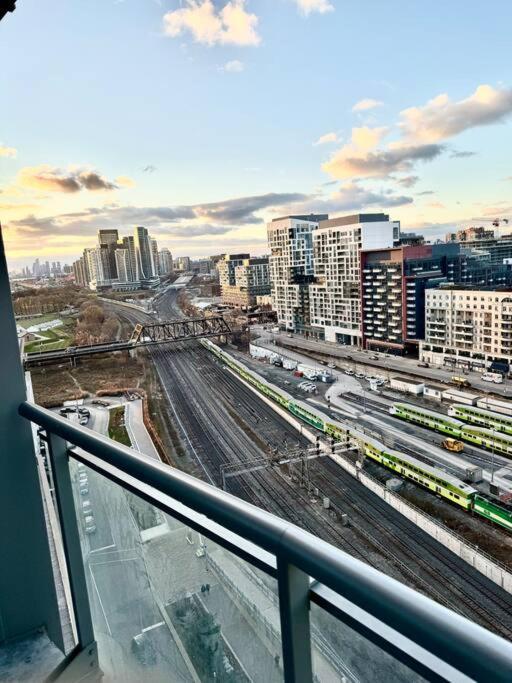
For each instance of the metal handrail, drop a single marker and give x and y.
(467, 647)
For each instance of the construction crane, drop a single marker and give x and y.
(6, 6)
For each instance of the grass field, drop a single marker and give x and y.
(116, 428)
(52, 340)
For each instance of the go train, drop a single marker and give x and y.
(439, 482)
(482, 417)
(490, 439)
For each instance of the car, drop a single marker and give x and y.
(380, 382)
(360, 375)
(322, 362)
(84, 411)
(423, 364)
(67, 409)
(349, 372)
(84, 420)
(374, 357)
(348, 357)
(83, 490)
(90, 526)
(286, 381)
(100, 402)
(331, 365)
(87, 507)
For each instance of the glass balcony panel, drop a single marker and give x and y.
(349, 656)
(169, 604)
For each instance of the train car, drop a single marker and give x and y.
(441, 483)
(481, 417)
(492, 441)
(497, 406)
(494, 513)
(427, 418)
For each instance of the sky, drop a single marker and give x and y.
(203, 119)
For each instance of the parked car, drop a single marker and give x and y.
(331, 365)
(374, 357)
(349, 372)
(423, 364)
(83, 490)
(100, 402)
(360, 375)
(90, 526)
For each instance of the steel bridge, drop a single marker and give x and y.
(143, 335)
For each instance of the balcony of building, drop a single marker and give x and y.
(286, 589)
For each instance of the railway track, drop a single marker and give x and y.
(429, 566)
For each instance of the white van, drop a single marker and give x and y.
(492, 377)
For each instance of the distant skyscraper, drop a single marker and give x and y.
(108, 241)
(128, 244)
(165, 261)
(122, 265)
(108, 236)
(145, 268)
(154, 256)
(183, 263)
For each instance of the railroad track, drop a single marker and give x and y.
(271, 490)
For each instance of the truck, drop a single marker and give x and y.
(453, 445)
(460, 381)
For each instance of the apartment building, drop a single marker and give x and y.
(251, 279)
(468, 328)
(290, 239)
(394, 282)
(226, 268)
(335, 299)
(165, 261)
(182, 264)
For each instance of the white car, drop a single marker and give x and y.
(84, 490)
(90, 526)
(349, 372)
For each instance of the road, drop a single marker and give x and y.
(407, 366)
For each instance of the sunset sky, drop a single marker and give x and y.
(202, 119)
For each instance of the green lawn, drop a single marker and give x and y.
(116, 428)
(54, 339)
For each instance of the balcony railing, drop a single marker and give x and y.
(312, 579)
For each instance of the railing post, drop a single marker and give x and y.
(71, 539)
(293, 587)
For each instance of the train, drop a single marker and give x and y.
(489, 439)
(439, 482)
(482, 417)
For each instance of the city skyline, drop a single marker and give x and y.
(197, 136)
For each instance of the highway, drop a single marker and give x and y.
(224, 423)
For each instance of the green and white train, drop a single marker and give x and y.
(437, 481)
(482, 417)
(480, 436)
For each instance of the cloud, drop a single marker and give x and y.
(424, 193)
(461, 155)
(324, 139)
(360, 159)
(307, 7)
(51, 179)
(408, 181)
(352, 197)
(149, 169)
(228, 25)
(366, 104)
(124, 181)
(441, 118)
(436, 205)
(9, 152)
(234, 66)
(243, 210)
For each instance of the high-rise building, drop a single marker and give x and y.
(393, 285)
(144, 251)
(243, 278)
(182, 263)
(128, 244)
(122, 265)
(108, 236)
(94, 264)
(290, 240)
(80, 272)
(108, 241)
(468, 327)
(154, 256)
(165, 261)
(335, 295)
